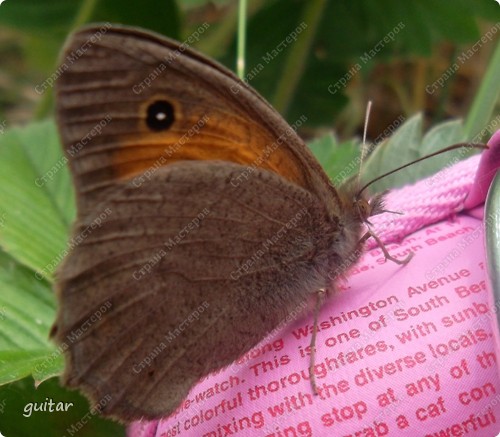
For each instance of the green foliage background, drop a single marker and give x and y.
(35, 217)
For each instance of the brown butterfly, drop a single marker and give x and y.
(203, 220)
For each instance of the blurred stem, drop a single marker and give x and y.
(216, 42)
(485, 100)
(44, 105)
(85, 13)
(242, 31)
(297, 56)
(444, 94)
(419, 88)
(82, 16)
(398, 88)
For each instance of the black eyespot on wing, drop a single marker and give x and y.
(160, 115)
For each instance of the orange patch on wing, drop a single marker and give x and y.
(141, 153)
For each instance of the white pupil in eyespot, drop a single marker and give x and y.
(161, 116)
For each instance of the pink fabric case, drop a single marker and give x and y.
(401, 351)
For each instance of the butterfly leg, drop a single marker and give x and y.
(319, 300)
(387, 255)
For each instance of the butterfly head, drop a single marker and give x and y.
(365, 208)
(357, 205)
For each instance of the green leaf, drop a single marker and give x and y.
(161, 16)
(397, 150)
(56, 17)
(451, 21)
(351, 38)
(340, 161)
(488, 10)
(44, 25)
(17, 399)
(407, 145)
(27, 308)
(484, 103)
(188, 4)
(36, 198)
(36, 16)
(34, 226)
(42, 364)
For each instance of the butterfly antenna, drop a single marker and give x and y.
(364, 147)
(446, 149)
(370, 233)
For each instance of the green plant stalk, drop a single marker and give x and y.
(297, 56)
(82, 16)
(216, 42)
(439, 113)
(84, 13)
(44, 105)
(484, 102)
(242, 31)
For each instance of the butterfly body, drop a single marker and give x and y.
(203, 222)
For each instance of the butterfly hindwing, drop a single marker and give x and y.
(181, 275)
